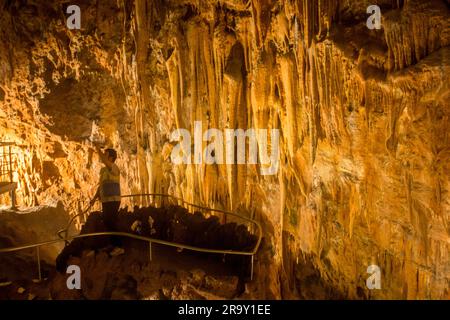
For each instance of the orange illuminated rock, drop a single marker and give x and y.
(363, 118)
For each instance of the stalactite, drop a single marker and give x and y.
(353, 107)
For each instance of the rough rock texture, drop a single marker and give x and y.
(37, 224)
(363, 114)
(118, 278)
(126, 277)
(174, 224)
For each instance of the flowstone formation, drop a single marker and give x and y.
(363, 118)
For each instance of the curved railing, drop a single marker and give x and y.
(256, 223)
(67, 238)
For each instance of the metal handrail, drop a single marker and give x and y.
(129, 235)
(149, 240)
(6, 167)
(66, 229)
(178, 199)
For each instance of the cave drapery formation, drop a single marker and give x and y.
(363, 116)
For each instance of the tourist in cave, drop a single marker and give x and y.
(109, 194)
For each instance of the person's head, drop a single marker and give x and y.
(112, 155)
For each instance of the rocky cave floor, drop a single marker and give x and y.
(172, 273)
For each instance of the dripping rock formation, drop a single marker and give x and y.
(363, 117)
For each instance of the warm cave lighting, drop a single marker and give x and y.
(246, 151)
(8, 176)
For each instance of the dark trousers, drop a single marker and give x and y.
(110, 215)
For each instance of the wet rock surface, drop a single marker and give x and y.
(363, 115)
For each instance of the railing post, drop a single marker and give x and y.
(39, 262)
(150, 250)
(251, 269)
(66, 233)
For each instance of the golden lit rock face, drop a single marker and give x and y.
(363, 116)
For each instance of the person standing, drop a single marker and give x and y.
(109, 192)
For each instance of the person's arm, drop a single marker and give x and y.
(96, 196)
(104, 158)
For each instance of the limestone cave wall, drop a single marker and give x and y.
(363, 118)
